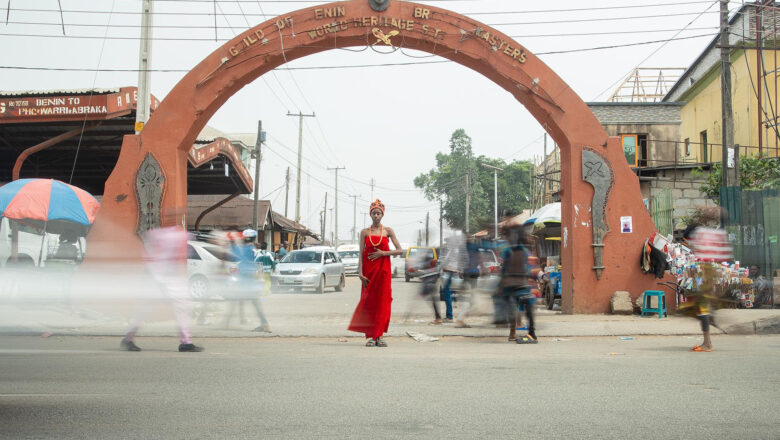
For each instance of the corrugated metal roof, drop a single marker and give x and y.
(57, 92)
(210, 134)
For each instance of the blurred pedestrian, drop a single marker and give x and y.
(372, 314)
(428, 273)
(166, 255)
(453, 262)
(282, 251)
(516, 282)
(471, 273)
(250, 281)
(710, 246)
(268, 263)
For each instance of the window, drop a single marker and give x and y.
(192, 254)
(629, 142)
(687, 146)
(642, 150)
(704, 152)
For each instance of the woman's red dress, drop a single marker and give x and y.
(372, 315)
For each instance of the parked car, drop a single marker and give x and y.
(318, 267)
(350, 256)
(414, 254)
(211, 270)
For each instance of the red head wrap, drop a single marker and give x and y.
(377, 205)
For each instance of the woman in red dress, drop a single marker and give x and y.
(372, 315)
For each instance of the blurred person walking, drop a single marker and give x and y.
(266, 259)
(453, 262)
(471, 272)
(515, 284)
(282, 251)
(710, 246)
(372, 314)
(250, 281)
(166, 255)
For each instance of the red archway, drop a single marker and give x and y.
(169, 134)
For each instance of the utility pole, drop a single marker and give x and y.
(371, 183)
(286, 190)
(332, 238)
(324, 218)
(300, 156)
(336, 204)
(258, 157)
(495, 192)
(427, 218)
(441, 223)
(144, 68)
(354, 218)
(468, 196)
(727, 113)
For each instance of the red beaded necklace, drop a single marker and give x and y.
(381, 234)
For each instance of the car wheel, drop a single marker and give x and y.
(321, 287)
(199, 287)
(341, 284)
(549, 296)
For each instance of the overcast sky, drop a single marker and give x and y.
(380, 122)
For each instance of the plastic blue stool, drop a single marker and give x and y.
(646, 301)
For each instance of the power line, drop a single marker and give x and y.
(358, 66)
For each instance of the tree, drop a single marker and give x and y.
(755, 173)
(447, 183)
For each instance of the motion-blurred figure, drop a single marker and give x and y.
(166, 254)
(266, 260)
(711, 246)
(453, 262)
(250, 284)
(516, 280)
(430, 277)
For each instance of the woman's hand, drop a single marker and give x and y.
(363, 280)
(377, 254)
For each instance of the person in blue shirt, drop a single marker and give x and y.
(515, 286)
(249, 283)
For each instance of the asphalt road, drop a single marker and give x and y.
(599, 388)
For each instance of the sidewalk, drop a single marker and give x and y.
(85, 322)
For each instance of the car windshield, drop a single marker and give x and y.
(349, 254)
(420, 252)
(221, 253)
(303, 257)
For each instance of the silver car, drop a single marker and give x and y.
(315, 267)
(350, 259)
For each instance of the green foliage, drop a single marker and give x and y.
(755, 173)
(447, 182)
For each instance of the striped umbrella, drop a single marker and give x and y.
(48, 204)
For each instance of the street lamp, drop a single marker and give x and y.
(495, 193)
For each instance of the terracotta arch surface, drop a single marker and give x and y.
(171, 131)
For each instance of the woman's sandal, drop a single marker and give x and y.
(701, 349)
(527, 340)
(381, 342)
(370, 343)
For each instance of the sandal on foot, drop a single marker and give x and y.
(511, 339)
(381, 342)
(702, 349)
(527, 340)
(370, 343)
(435, 322)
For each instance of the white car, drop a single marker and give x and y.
(211, 270)
(350, 256)
(318, 267)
